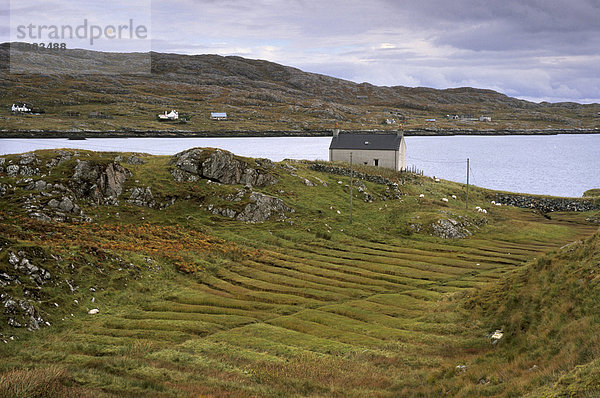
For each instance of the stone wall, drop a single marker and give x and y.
(547, 205)
(343, 171)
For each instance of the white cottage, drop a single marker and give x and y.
(21, 107)
(382, 150)
(173, 115)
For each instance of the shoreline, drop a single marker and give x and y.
(49, 134)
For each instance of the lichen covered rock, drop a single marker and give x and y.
(99, 183)
(221, 166)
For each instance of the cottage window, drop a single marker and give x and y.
(376, 161)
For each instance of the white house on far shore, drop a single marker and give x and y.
(218, 116)
(382, 150)
(173, 115)
(20, 107)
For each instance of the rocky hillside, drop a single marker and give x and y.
(257, 96)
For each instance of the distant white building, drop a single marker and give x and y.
(218, 116)
(20, 107)
(382, 150)
(173, 115)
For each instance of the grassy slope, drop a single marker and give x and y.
(308, 306)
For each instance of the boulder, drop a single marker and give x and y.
(263, 207)
(450, 229)
(99, 183)
(66, 205)
(134, 160)
(12, 170)
(142, 197)
(28, 158)
(221, 166)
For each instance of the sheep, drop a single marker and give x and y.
(453, 196)
(93, 311)
(445, 200)
(421, 196)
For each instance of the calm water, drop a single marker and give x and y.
(563, 165)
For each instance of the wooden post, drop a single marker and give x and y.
(351, 177)
(467, 202)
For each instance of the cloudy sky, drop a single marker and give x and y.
(540, 50)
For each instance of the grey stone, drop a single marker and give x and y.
(134, 160)
(220, 166)
(263, 207)
(142, 197)
(40, 216)
(13, 259)
(53, 203)
(66, 205)
(12, 170)
(28, 158)
(28, 171)
(100, 184)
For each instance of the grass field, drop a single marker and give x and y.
(193, 304)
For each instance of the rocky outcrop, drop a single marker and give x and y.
(263, 207)
(50, 202)
(21, 313)
(64, 157)
(547, 205)
(221, 166)
(142, 197)
(37, 274)
(454, 227)
(99, 183)
(450, 229)
(27, 166)
(133, 160)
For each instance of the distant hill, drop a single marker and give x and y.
(257, 95)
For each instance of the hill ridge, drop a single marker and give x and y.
(256, 94)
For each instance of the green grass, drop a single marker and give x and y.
(313, 306)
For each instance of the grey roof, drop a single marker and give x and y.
(366, 141)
